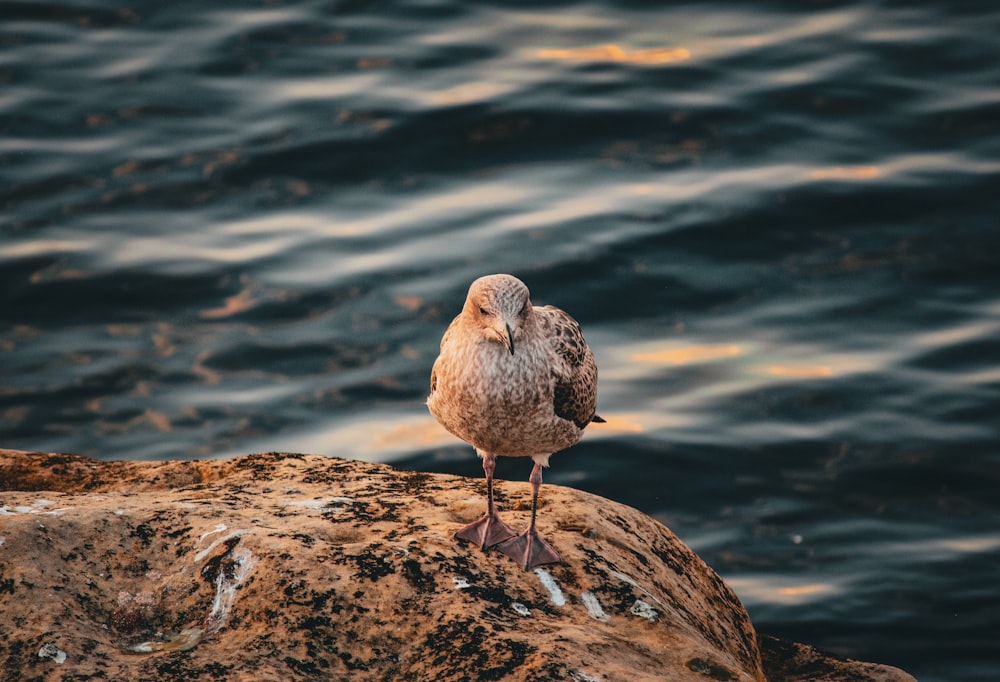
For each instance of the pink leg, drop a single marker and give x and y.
(489, 530)
(529, 549)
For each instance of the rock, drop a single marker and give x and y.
(791, 661)
(296, 567)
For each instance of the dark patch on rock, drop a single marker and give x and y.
(462, 644)
(304, 667)
(306, 540)
(678, 561)
(415, 575)
(145, 533)
(415, 483)
(710, 669)
(371, 566)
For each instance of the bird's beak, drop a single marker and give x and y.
(509, 338)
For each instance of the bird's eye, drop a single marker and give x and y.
(484, 311)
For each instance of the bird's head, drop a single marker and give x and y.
(499, 306)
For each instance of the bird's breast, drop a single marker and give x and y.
(499, 402)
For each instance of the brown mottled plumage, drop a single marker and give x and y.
(517, 380)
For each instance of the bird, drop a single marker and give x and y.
(517, 380)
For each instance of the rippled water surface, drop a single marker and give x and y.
(231, 227)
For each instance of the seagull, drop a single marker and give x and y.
(514, 380)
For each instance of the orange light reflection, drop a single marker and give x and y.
(803, 372)
(615, 53)
(621, 423)
(845, 173)
(688, 354)
(233, 305)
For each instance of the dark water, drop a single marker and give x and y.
(230, 227)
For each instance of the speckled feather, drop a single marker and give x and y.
(532, 402)
(575, 391)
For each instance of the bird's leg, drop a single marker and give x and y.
(528, 549)
(489, 530)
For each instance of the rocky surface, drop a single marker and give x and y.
(294, 567)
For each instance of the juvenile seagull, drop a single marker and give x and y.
(517, 380)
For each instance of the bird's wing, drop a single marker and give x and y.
(575, 370)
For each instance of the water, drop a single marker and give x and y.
(235, 227)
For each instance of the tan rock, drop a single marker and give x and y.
(289, 567)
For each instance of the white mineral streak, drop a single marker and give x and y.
(550, 584)
(594, 609)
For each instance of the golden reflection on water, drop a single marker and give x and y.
(616, 53)
(233, 305)
(798, 363)
(845, 173)
(797, 372)
(466, 93)
(209, 376)
(630, 422)
(686, 355)
(981, 544)
(804, 590)
(774, 590)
